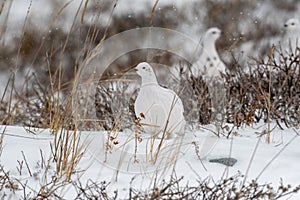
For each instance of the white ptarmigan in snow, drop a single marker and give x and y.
(291, 39)
(157, 107)
(209, 63)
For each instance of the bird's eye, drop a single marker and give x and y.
(214, 32)
(144, 68)
(293, 24)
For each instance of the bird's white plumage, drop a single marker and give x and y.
(291, 39)
(157, 107)
(209, 63)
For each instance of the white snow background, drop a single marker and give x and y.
(271, 163)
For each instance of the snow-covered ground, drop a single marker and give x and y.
(268, 163)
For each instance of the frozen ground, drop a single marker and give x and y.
(271, 163)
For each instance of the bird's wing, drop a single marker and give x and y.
(174, 113)
(150, 103)
(171, 100)
(157, 115)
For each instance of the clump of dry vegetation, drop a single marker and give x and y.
(228, 188)
(233, 187)
(269, 91)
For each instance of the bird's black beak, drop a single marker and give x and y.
(285, 25)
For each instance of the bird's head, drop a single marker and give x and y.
(292, 24)
(144, 69)
(212, 34)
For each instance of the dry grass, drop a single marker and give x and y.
(229, 188)
(268, 92)
(44, 101)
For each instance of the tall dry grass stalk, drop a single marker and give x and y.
(46, 106)
(166, 134)
(2, 139)
(67, 150)
(2, 6)
(267, 96)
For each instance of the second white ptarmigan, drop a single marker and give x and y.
(209, 64)
(156, 106)
(291, 40)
